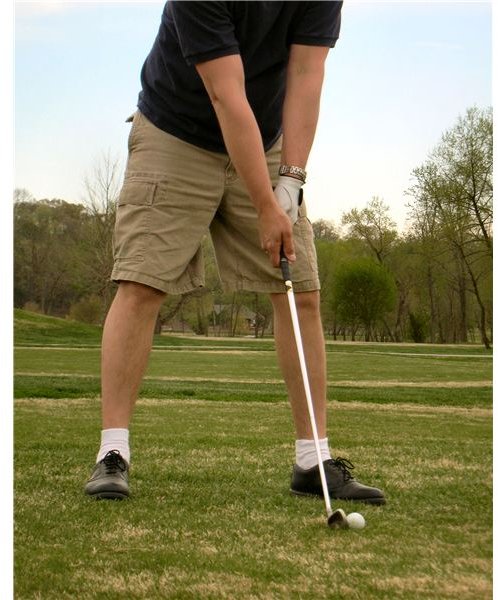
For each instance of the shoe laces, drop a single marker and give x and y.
(344, 465)
(114, 462)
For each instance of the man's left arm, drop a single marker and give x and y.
(305, 72)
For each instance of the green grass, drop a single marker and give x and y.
(212, 445)
(89, 387)
(34, 329)
(211, 516)
(263, 365)
(74, 373)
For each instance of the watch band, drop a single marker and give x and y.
(291, 170)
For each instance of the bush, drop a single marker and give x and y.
(417, 327)
(364, 293)
(87, 310)
(31, 306)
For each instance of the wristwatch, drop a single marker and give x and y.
(291, 170)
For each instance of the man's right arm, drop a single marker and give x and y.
(224, 81)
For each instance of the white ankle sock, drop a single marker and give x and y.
(306, 452)
(115, 439)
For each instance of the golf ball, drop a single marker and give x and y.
(355, 520)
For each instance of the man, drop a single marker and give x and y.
(225, 123)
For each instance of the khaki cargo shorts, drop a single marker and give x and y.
(173, 195)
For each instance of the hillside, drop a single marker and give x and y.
(33, 329)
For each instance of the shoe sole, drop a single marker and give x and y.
(109, 496)
(375, 500)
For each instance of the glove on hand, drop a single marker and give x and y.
(289, 195)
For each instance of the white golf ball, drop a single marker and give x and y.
(355, 520)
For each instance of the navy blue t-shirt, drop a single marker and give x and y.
(173, 96)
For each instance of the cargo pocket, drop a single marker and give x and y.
(133, 219)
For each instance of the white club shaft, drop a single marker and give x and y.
(307, 391)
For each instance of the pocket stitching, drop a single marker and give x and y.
(147, 200)
(150, 187)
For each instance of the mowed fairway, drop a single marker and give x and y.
(211, 515)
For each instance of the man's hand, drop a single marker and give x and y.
(275, 231)
(288, 193)
(225, 83)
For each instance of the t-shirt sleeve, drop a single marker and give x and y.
(318, 24)
(205, 30)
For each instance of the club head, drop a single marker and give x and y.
(337, 520)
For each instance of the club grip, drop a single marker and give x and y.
(285, 267)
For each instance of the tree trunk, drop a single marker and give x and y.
(389, 332)
(430, 286)
(257, 317)
(462, 297)
(201, 317)
(398, 335)
(482, 308)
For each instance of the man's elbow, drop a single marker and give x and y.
(223, 79)
(223, 93)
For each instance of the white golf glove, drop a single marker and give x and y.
(289, 195)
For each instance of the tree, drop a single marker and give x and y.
(364, 293)
(48, 235)
(455, 185)
(425, 241)
(102, 188)
(22, 195)
(325, 230)
(374, 225)
(330, 255)
(465, 160)
(196, 310)
(261, 306)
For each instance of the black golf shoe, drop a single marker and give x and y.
(341, 484)
(109, 478)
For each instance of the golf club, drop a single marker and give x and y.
(335, 518)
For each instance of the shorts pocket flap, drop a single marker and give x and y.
(137, 192)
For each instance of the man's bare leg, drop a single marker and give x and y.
(308, 308)
(126, 345)
(305, 477)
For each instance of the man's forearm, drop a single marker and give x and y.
(245, 147)
(302, 103)
(224, 82)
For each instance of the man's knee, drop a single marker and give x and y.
(139, 296)
(306, 302)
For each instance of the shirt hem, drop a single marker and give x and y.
(144, 108)
(312, 41)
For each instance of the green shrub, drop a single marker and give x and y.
(87, 310)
